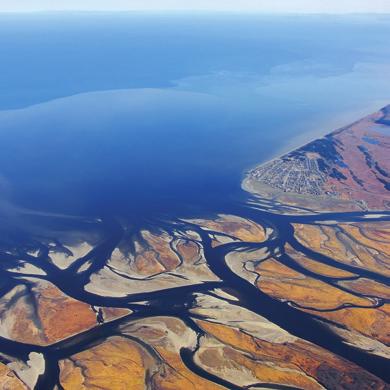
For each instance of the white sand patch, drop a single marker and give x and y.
(7, 315)
(64, 260)
(84, 267)
(169, 332)
(223, 294)
(242, 263)
(30, 371)
(120, 278)
(374, 216)
(107, 283)
(223, 367)
(34, 253)
(27, 268)
(220, 311)
(360, 341)
(232, 370)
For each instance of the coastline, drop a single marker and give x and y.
(344, 120)
(344, 168)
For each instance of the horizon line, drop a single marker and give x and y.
(201, 11)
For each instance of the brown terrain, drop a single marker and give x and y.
(220, 302)
(348, 169)
(39, 313)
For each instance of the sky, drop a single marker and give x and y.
(268, 6)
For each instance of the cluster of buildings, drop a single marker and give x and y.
(301, 175)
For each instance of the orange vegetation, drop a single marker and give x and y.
(317, 267)
(167, 335)
(8, 380)
(112, 313)
(352, 244)
(147, 264)
(373, 323)
(294, 362)
(188, 250)
(62, 316)
(177, 376)
(46, 315)
(262, 370)
(284, 283)
(155, 255)
(160, 245)
(362, 182)
(116, 364)
(240, 228)
(367, 286)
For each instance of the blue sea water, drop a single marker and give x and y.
(141, 114)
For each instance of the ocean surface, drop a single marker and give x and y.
(142, 116)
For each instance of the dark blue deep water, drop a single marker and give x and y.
(134, 114)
